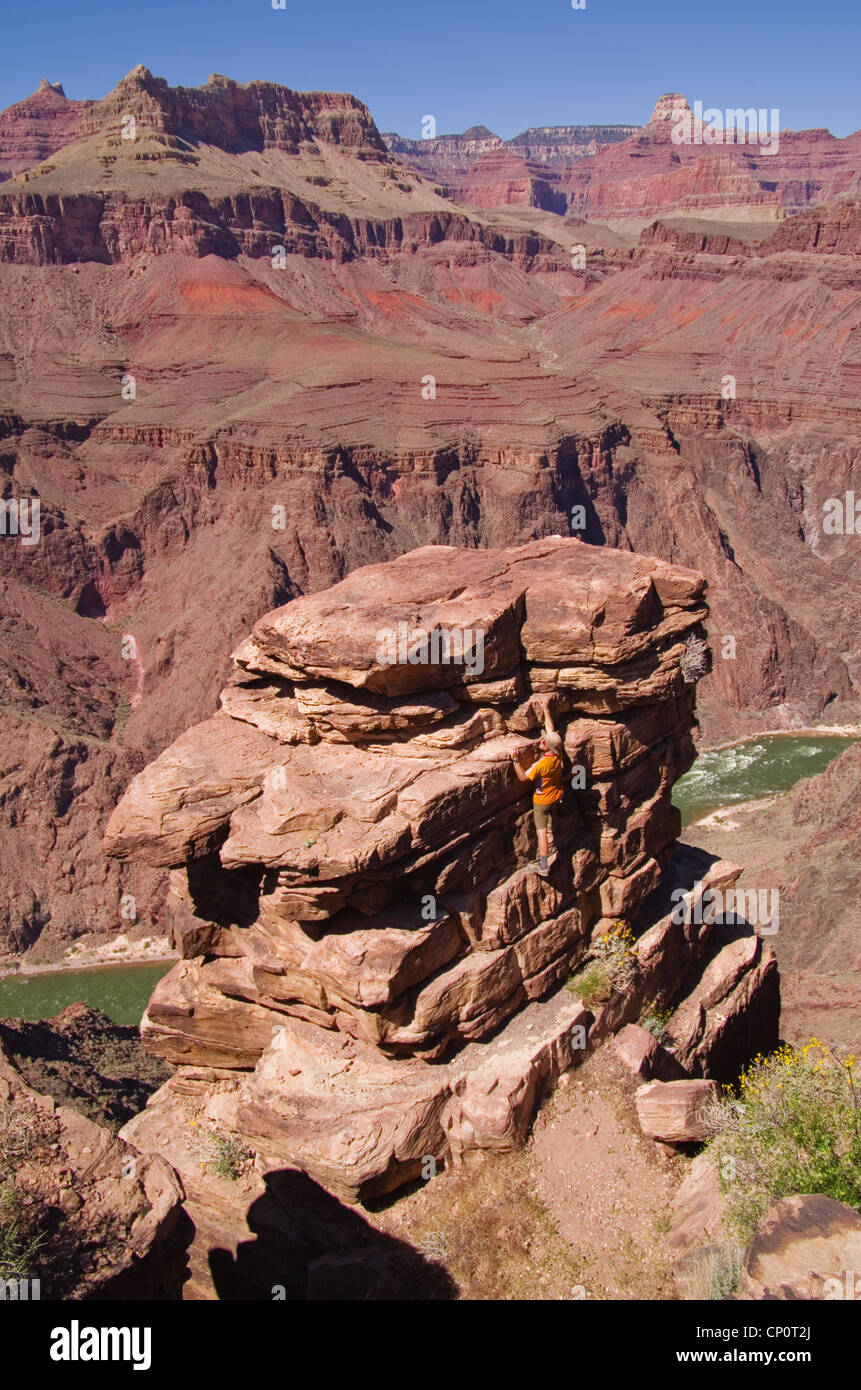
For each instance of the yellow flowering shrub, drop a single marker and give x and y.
(612, 966)
(791, 1125)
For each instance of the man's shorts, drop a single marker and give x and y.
(541, 814)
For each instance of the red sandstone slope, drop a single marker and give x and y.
(284, 429)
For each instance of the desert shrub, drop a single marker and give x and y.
(792, 1125)
(15, 1136)
(696, 659)
(612, 966)
(655, 1020)
(20, 1238)
(231, 1157)
(711, 1273)
(25, 1128)
(615, 951)
(592, 985)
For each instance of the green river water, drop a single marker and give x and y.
(746, 771)
(120, 991)
(742, 772)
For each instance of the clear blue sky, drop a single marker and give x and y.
(505, 63)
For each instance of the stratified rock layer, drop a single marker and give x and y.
(352, 848)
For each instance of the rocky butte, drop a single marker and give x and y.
(373, 970)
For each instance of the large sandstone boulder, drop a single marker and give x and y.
(731, 1008)
(676, 1111)
(638, 1049)
(805, 1247)
(353, 852)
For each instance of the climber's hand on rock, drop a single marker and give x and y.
(517, 764)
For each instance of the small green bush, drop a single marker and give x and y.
(592, 985)
(793, 1125)
(613, 966)
(231, 1156)
(20, 1240)
(656, 1019)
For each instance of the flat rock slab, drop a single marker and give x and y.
(563, 601)
(360, 1124)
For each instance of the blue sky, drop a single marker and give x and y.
(505, 64)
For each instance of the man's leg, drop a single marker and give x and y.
(551, 832)
(540, 815)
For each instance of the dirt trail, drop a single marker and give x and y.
(580, 1212)
(607, 1189)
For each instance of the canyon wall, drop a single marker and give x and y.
(232, 382)
(607, 173)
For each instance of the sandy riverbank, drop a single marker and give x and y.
(721, 818)
(811, 731)
(83, 955)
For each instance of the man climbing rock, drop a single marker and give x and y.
(548, 769)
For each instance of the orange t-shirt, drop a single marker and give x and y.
(549, 769)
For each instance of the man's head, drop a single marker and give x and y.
(551, 743)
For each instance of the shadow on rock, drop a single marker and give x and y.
(308, 1245)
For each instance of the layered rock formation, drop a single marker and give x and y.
(257, 116)
(618, 172)
(352, 848)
